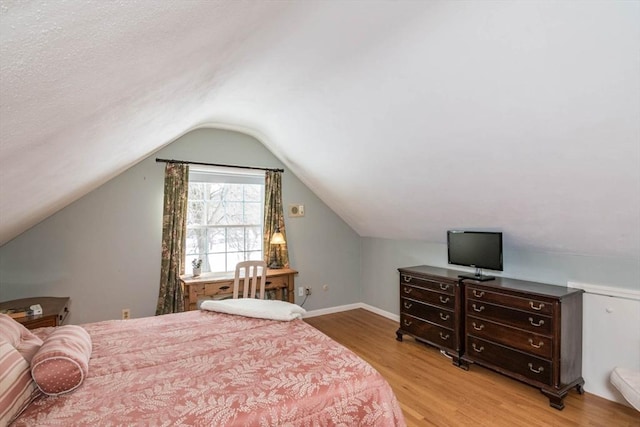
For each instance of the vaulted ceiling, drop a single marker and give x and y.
(407, 118)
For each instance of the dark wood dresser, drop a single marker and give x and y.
(54, 311)
(526, 330)
(430, 308)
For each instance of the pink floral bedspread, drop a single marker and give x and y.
(211, 369)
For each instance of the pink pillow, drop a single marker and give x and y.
(62, 363)
(19, 337)
(17, 389)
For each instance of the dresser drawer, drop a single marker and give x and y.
(275, 282)
(433, 285)
(539, 345)
(428, 331)
(526, 304)
(41, 322)
(520, 319)
(428, 312)
(211, 289)
(444, 300)
(531, 367)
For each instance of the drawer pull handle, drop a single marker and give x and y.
(537, 371)
(478, 328)
(540, 323)
(478, 350)
(444, 337)
(477, 294)
(407, 290)
(479, 309)
(407, 322)
(407, 279)
(444, 316)
(407, 305)
(224, 288)
(444, 287)
(444, 300)
(539, 307)
(540, 344)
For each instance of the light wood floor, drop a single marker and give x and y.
(433, 392)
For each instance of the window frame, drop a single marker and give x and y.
(211, 257)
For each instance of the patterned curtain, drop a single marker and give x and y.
(174, 222)
(274, 218)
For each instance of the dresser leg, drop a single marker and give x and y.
(457, 361)
(555, 400)
(398, 335)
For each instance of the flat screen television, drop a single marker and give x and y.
(478, 249)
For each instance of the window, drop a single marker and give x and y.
(224, 218)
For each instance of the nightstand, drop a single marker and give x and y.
(54, 311)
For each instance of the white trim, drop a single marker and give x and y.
(347, 307)
(383, 313)
(225, 175)
(332, 310)
(608, 291)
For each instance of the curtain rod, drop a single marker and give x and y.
(217, 164)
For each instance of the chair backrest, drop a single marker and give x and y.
(250, 272)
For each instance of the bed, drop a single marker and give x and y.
(208, 368)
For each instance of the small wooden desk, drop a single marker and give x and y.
(54, 311)
(220, 285)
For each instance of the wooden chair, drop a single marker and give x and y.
(250, 272)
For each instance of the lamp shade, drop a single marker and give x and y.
(277, 239)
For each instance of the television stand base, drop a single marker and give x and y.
(480, 278)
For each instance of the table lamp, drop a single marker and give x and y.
(277, 240)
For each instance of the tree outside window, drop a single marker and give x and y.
(224, 219)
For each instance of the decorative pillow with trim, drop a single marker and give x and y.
(62, 363)
(19, 337)
(17, 389)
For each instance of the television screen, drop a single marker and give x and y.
(479, 249)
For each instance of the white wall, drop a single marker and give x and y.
(611, 337)
(103, 250)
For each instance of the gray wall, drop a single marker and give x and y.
(382, 257)
(103, 251)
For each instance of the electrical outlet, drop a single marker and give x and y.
(300, 291)
(307, 291)
(126, 314)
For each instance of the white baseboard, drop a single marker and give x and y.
(607, 291)
(383, 313)
(347, 307)
(331, 310)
